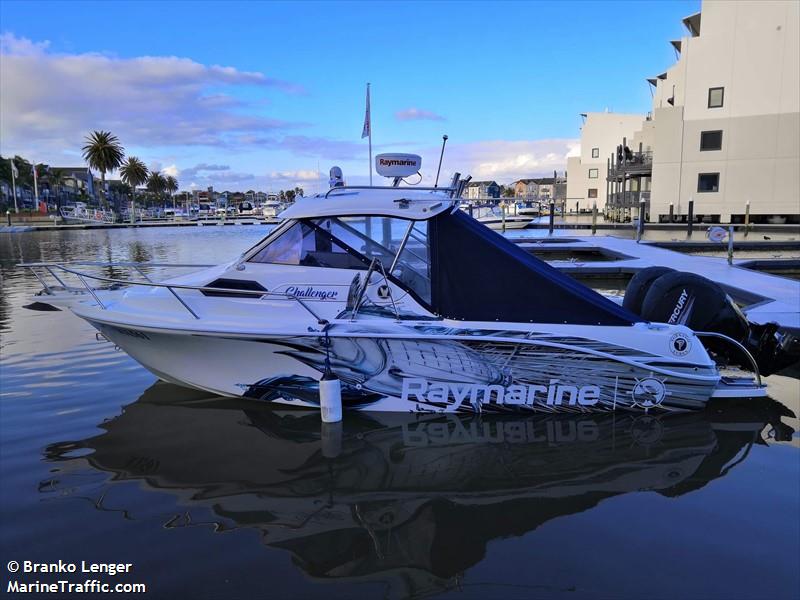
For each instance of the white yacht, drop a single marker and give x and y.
(494, 218)
(413, 305)
(272, 206)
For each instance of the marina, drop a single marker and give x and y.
(296, 316)
(104, 455)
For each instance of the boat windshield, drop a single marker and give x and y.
(400, 245)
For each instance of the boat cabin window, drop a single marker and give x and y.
(304, 245)
(400, 245)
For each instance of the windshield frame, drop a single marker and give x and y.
(284, 226)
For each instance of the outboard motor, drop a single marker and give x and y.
(663, 295)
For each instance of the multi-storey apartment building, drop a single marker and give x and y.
(724, 130)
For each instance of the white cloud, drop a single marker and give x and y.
(295, 175)
(171, 170)
(574, 150)
(507, 161)
(50, 101)
(417, 114)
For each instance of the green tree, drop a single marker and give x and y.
(104, 153)
(171, 185)
(156, 184)
(133, 173)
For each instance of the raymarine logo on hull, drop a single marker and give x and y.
(311, 292)
(554, 394)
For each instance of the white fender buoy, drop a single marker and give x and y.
(330, 398)
(331, 435)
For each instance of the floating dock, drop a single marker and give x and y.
(764, 297)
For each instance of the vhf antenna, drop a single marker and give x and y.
(441, 156)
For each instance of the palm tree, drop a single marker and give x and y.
(156, 184)
(104, 153)
(171, 185)
(134, 173)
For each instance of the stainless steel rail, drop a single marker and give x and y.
(736, 344)
(134, 265)
(169, 286)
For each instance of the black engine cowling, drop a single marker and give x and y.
(639, 285)
(679, 298)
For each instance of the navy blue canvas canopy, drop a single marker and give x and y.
(479, 275)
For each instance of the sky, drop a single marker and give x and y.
(268, 95)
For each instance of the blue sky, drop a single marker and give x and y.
(506, 81)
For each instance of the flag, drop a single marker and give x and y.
(13, 168)
(367, 131)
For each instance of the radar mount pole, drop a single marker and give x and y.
(441, 156)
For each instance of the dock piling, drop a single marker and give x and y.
(746, 218)
(640, 225)
(671, 213)
(552, 216)
(690, 218)
(594, 218)
(730, 244)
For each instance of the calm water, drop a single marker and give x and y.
(215, 498)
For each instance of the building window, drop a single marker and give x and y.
(715, 97)
(595, 152)
(593, 173)
(710, 140)
(708, 182)
(592, 192)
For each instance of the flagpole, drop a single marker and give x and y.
(35, 187)
(14, 183)
(370, 136)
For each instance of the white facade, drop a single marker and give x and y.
(736, 87)
(601, 133)
(725, 125)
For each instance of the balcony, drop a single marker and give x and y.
(631, 164)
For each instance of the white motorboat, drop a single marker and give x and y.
(272, 206)
(494, 218)
(81, 213)
(413, 305)
(530, 211)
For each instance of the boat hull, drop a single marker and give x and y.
(483, 372)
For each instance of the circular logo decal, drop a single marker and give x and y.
(648, 392)
(679, 344)
(384, 291)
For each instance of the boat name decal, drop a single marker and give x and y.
(311, 292)
(553, 394)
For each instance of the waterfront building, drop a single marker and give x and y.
(549, 188)
(482, 189)
(601, 133)
(724, 130)
(726, 115)
(525, 189)
(75, 183)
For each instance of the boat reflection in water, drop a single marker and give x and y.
(409, 500)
